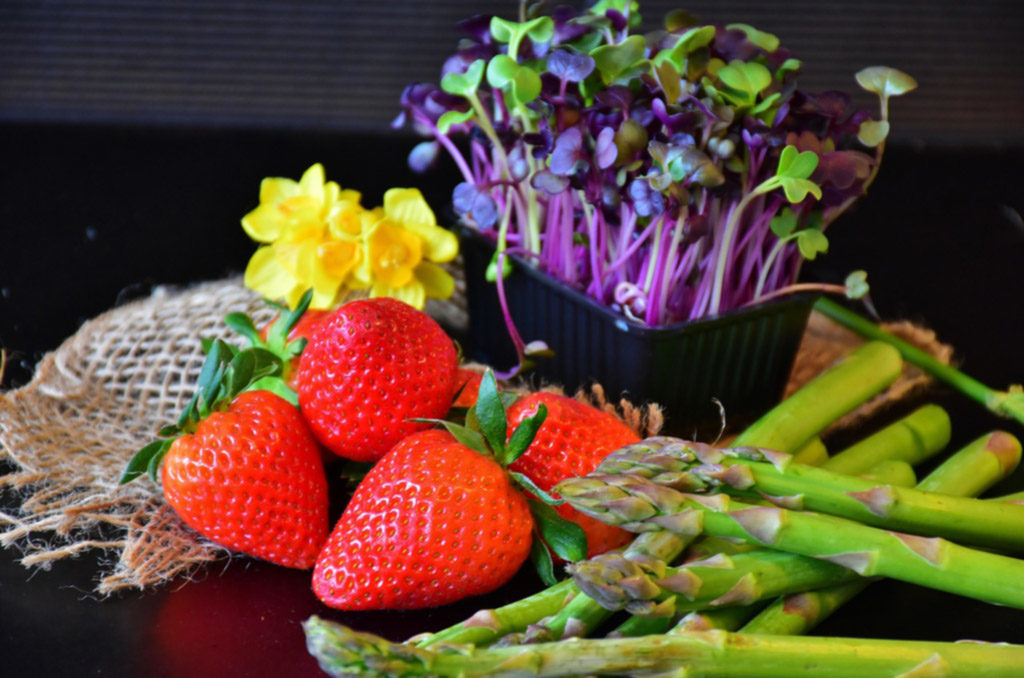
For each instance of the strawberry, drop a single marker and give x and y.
(467, 387)
(241, 467)
(369, 369)
(432, 522)
(574, 439)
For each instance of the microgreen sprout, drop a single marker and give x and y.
(670, 175)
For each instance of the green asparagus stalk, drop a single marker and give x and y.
(639, 505)
(892, 471)
(792, 423)
(753, 473)
(341, 651)
(799, 613)
(913, 439)
(1008, 403)
(652, 588)
(813, 453)
(486, 626)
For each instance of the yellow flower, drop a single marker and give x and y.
(403, 247)
(312, 229)
(318, 237)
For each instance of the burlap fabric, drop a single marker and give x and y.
(101, 396)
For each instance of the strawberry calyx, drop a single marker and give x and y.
(486, 431)
(227, 372)
(276, 340)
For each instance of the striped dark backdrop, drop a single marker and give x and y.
(340, 65)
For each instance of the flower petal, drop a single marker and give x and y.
(276, 189)
(406, 206)
(265, 275)
(437, 282)
(312, 183)
(412, 294)
(264, 224)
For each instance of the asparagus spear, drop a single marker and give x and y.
(1008, 403)
(652, 588)
(856, 378)
(707, 654)
(799, 613)
(756, 473)
(637, 504)
(913, 439)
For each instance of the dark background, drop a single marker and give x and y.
(133, 136)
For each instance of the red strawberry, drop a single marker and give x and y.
(573, 440)
(467, 386)
(250, 479)
(432, 522)
(241, 467)
(369, 368)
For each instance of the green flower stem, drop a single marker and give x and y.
(913, 439)
(799, 613)
(709, 654)
(637, 504)
(1008, 403)
(854, 380)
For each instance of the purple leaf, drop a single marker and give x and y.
(570, 66)
(568, 155)
(605, 150)
(551, 184)
(423, 155)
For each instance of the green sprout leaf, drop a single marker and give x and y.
(857, 284)
(450, 118)
(873, 132)
(541, 29)
(687, 43)
(792, 175)
(784, 224)
(744, 81)
(766, 41)
(521, 82)
(788, 66)
(621, 62)
(464, 84)
(885, 81)
(811, 242)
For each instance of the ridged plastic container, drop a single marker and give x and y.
(742, 359)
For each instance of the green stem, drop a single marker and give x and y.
(1008, 403)
(709, 654)
(858, 377)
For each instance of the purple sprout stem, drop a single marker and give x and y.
(655, 266)
(448, 145)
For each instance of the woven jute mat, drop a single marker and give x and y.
(104, 392)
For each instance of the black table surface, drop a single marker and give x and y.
(91, 216)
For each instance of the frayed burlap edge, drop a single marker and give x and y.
(100, 396)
